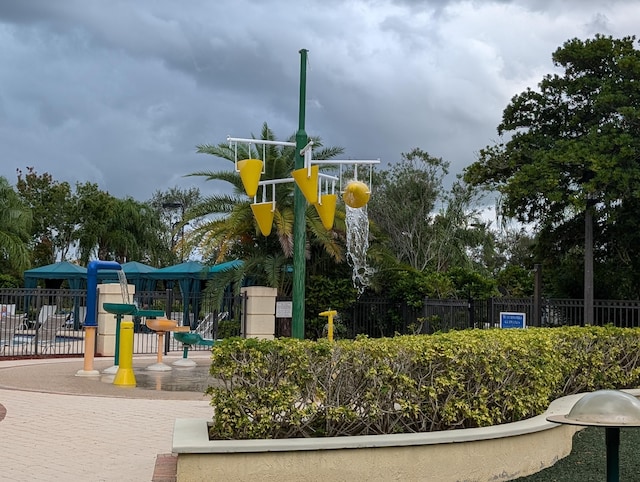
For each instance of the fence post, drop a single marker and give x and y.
(425, 310)
(492, 312)
(472, 317)
(243, 325)
(167, 311)
(537, 294)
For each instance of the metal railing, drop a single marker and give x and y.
(444, 315)
(375, 317)
(31, 336)
(379, 317)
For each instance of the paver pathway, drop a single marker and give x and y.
(60, 437)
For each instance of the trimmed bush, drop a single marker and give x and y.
(290, 388)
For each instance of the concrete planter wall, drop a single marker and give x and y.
(502, 452)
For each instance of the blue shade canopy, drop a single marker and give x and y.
(189, 276)
(218, 268)
(186, 270)
(134, 267)
(137, 274)
(75, 275)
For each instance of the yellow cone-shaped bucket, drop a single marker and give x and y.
(327, 209)
(308, 185)
(356, 194)
(263, 212)
(250, 171)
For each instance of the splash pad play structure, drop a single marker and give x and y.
(189, 339)
(91, 323)
(319, 190)
(311, 186)
(123, 359)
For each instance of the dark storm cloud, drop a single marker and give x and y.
(121, 92)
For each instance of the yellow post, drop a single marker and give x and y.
(125, 375)
(329, 314)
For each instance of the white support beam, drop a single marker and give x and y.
(260, 142)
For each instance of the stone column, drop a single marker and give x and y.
(109, 293)
(260, 312)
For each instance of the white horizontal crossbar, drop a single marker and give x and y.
(347, 161)
(261, 141)
(268, 182)
(327, 176)
(306, 148)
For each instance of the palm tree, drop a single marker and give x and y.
(15, 225)
(116, 229)
(227, 228)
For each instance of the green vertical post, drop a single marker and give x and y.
(612, 439)
(299, 209)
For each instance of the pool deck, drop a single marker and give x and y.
(57, 426)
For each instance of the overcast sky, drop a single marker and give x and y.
(120, 92)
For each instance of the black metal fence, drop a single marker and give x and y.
(380, 317)
(25, 316)
(23, 332)
(377, 317)
(445, 315)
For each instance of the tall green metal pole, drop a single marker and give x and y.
(299, 208)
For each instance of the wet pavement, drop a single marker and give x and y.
(59, 376)
(194, 379)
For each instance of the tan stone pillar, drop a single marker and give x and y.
(260, 312)
(109, 293)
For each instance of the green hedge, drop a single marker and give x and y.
(289, 388)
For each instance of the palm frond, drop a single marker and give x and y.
(283, 219)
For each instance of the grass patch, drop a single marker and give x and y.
(588, 459)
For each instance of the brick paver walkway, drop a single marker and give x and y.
(48, 436)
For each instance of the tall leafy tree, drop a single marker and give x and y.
(171, 206)
(227, 228)
(15, 229)
(116, 229)
(53, 206)
(574, 151)
(425, 226)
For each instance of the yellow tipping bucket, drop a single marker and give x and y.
(307, 184)
(250, 171)
(327, 209)
(263, 212)
(356, 194)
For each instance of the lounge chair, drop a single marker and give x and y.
(7, 310)
(45, 311)
(46, 334)
(9, 324)
(71, 324)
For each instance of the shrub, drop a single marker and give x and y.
(474, 378)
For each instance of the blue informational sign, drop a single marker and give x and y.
(513, 320)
